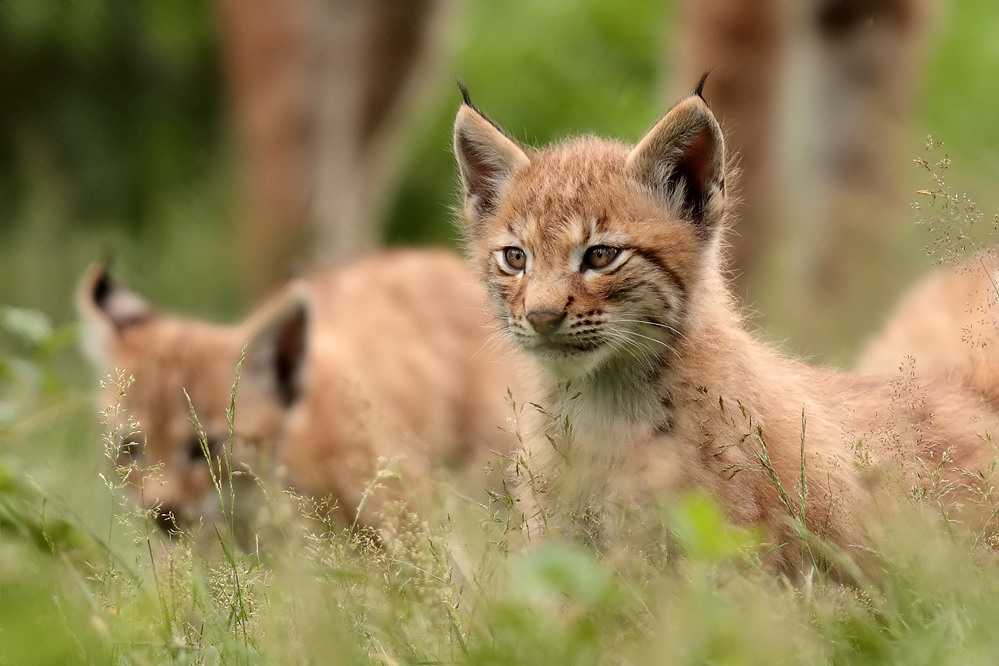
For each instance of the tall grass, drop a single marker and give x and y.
(458, 586)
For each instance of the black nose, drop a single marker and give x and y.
(546, 322)
(166, 518)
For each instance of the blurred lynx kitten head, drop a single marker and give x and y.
(172, 358)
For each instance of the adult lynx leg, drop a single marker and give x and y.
(378, 56)
(320, 90)
(268, 60)
(870, 55)
(814, 97)
(744, 45)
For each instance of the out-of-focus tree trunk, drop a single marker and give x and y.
(815, 96)
(744, 46)
(869, 58)
(321, 91)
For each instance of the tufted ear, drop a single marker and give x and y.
(487, 158)
(681, 161)
(106, 308)
(99, 299)
(277, 336)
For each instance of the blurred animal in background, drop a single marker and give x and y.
(320, 91)
(947, 324)
(815, 97)
(390, 356)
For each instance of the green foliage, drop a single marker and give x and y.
(29, 345)
(112, 144)
(114, 139)
(705, 536)
(433, 592)
(956, 107)
(956, 224)
(88, 126)
(567, 68)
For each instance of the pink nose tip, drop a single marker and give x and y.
(546, 322)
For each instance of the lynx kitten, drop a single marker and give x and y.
(384, 359)
(603, 263)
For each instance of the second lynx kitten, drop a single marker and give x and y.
(387, 357)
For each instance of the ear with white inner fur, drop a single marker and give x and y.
(276, 345)
(101, 298)
(487, 158)
(682, 161)
(106, 309)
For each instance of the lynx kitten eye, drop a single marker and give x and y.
(514, 258)
(599, 256)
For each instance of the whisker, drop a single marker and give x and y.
(650, 339)
(492, 343)
(631, 347)
(634, 347)
(669, 328)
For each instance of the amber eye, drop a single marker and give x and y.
(515, 258)
(599, 256)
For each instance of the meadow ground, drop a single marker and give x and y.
(85, 578)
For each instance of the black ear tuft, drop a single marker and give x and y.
(699, 90)
(102, 287)
(464, 93)
(466, 100)
(100, 297)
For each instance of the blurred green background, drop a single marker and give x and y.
(116, 140)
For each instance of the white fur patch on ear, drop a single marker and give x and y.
(100, 297)
(487, 159)
(124, 307)
(682, 161)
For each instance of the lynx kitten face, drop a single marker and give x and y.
(590, 249)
